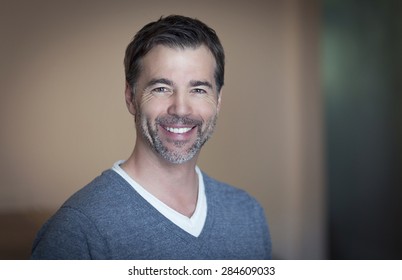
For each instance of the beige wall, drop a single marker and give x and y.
(63, 119)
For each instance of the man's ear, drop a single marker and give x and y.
(218, 106)
(130, 100)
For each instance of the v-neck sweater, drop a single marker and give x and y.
(108, 219)
(193, 224)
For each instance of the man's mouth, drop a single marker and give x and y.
(179, 126)
(178, 130)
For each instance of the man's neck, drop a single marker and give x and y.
(176, 185)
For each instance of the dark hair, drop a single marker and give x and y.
(175, 32)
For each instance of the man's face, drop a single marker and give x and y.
(176, 101)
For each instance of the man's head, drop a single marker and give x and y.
(174, 32)
(174, 75)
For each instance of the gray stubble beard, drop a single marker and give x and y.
(150, 134)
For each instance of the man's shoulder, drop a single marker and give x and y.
(214, 183)
(221, 186)
(218, 189)
(102, 190)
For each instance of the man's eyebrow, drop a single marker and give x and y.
(159, 81)
(200, 83)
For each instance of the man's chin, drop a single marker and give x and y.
(178, 156)
(175, 159)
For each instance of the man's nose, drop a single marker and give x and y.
(180, 104)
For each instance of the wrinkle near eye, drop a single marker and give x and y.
(146, 97)
(210, 98)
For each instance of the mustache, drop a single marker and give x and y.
(177, 120)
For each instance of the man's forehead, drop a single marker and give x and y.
(161, 59)
(197, 64)
(162, 48)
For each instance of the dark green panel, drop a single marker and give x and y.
(361, 62)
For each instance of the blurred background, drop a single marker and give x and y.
(310, 124)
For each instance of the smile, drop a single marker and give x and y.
(178, 130)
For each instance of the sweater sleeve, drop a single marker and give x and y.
(69, 235)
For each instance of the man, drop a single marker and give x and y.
(158, 204)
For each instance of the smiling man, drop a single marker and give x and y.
(158, 204)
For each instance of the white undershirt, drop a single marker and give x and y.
(191, 225)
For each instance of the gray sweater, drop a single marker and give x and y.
(108, 219)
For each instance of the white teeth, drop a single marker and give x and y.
(178, 130)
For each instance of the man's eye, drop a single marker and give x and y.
(160, 89)
(199, 91)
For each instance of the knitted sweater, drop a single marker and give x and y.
(108, 219)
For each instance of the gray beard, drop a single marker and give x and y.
(176, 157)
